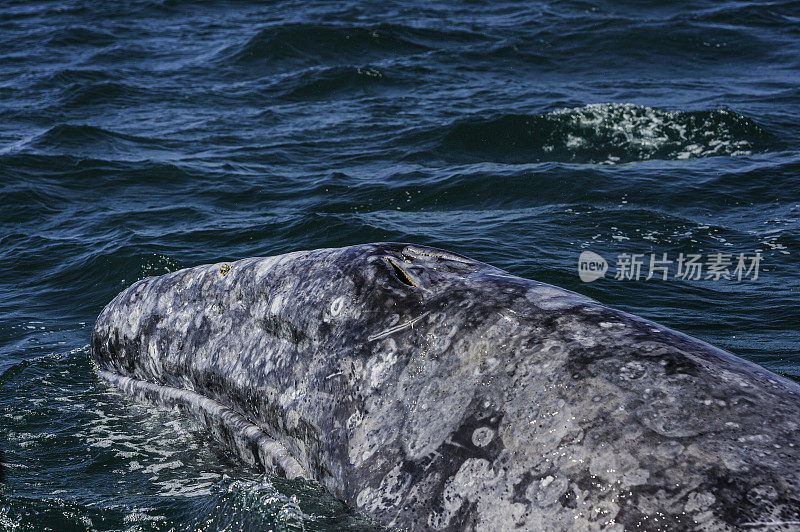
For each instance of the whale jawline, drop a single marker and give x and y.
(252, 444)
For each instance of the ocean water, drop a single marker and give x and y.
(141, 137)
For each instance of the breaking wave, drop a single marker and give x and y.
(608, 134)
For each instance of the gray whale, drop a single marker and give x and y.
(431, 391)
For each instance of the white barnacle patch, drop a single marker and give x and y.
(277, 305)
(365, 497)
(440, 338)
(584, 338)
(617, 467)
(551, 298)
(668, 417)
(631, 370)
(471, 476)
(392, 488)
(437, 405)
(373, 429)
(381, 365)
(289, 397)
(335, 308)
(547, 491)
(482, 436)
(462, 486)
(292, 419)
(354, 420)
(476, 483)
(337, 305)
(263, 268)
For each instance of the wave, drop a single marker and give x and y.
(303, 41)
(77, 94)
(330, 81)
(274, 503)
(82, 139)
(251, 502)
(682, 45)
(81, 35)
(766, 14)
(606, 133)
(70, 75)
(324, 42)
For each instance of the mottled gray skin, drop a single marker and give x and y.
(431, 391)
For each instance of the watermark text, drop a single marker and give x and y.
(716, 266)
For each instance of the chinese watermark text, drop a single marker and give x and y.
(660, 266)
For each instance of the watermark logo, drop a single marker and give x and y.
(688, 266)
(591, 266)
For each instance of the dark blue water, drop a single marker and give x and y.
(141, 137)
